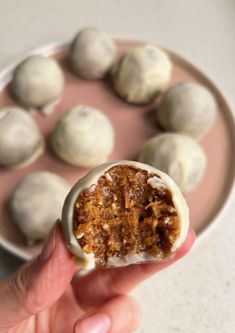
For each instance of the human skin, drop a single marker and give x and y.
(43, 296)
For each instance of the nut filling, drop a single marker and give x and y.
(123, 214)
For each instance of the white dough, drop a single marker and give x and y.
(178, 155)
(38, 82)
(188, 108)
(142, 73)
(92, 53)
(83, 137)
(20, 140)
(36, 203)
(87, 261)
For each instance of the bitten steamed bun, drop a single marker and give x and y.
(178, 155)
(83, 137)
(124, 213)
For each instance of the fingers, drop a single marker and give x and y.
(112, 282)
(39, 283)
(119, 315)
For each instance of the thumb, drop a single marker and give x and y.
(38, 284)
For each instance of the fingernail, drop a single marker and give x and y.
(49, 245)
(96, 323)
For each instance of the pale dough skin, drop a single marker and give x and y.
(36, 203)
(178, 155)
(38, 83)
(83, 137)
(141, 74)
(21, 142)
(92, 53)
(87, 261)
(187, 108)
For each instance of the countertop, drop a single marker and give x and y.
(197, 294)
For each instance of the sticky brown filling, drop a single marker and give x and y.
(123, 214)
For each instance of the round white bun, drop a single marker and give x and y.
(36, 203)
(20, 139)
(83, 137)
(187, 108)
(92, 53)
(38, 83)
(141, 74)
(180, 156)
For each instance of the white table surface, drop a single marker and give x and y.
(196, 295)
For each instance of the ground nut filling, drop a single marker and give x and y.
(123, 215)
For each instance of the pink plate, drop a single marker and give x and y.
(133, 125)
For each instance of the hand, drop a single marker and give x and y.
(42, 296)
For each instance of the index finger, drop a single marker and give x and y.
(97, 287)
